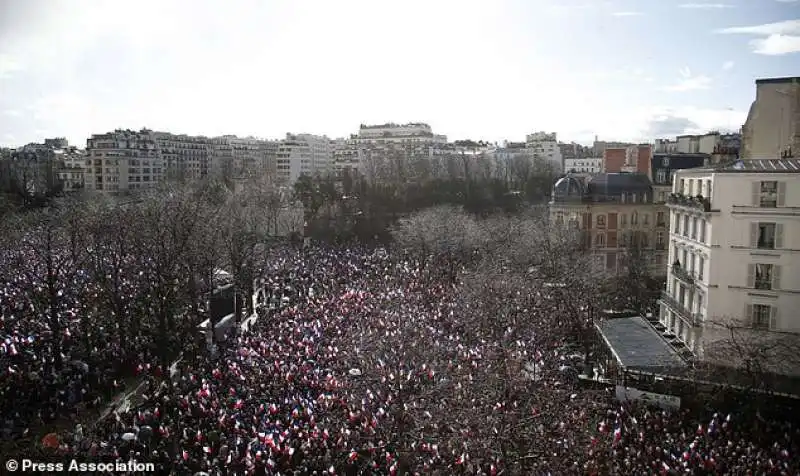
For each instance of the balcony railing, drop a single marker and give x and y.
(698, 203)
(683, 274)
(693, 317)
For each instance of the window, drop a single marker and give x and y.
(765, 236)
(682, 188)
(694, 228)
(659, 218)
(768, 194)
(677, 225)
(601, 221)
(760, 316)
(623, 220)
(646, 219)
(659, 260)
(600, 240)
(665, 162)
(661, 176)
(762, 276)
(702, 231)
(559, 219)
(708, 189)
(660, 239)
(644, 241)
(686, 226)
(701, 264)
(635, 218)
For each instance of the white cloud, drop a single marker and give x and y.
(787, 27)
(781, 37)
(705, 6)
(626, 14)
(9, 65)
(787, 1)
(776, 45)
(728, 65)
(12, 113)
(689, 82)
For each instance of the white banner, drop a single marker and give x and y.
(667, 402)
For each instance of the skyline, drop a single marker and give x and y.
(630, 71)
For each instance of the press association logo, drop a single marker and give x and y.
(30, 466)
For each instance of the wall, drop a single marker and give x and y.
(614, 159)
(772, 122)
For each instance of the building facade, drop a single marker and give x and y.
(772, 128)
(545, 146)
(303, 154)
(733, 255)
(632, 159)
(587, 165)
(664, 166)
(617, 215)
(184, 157)
(123, 160)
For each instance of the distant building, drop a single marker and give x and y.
(238, 158)
(184, 157)
(303, 154)
(123, 160)
(545, 146)
(733, 262)
(772, 128)
(632, 158)
(587, 165)
(615, 212)
(664, 166)
(347, 155)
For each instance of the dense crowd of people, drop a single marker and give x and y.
(362, 364)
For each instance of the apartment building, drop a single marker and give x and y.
(664, 166)
(733, 256)
(772, 127)
(616, 212)
(123, 160)
(545, 146)
(347, 155)
(184, 157)
(243, 157)
(303, 154)
(587, 165)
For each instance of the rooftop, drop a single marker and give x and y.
(636, 345)
(792, 79)
(770, 166)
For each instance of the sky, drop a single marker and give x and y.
(495, 70)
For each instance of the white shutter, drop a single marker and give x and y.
(748, 314)
(754, 235)
(773, 318)
(776, 276)
(756, 190)
(781, 194)
(778, 236)
(751, 275)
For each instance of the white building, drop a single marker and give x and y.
(122, 160)
(347, 155)
(303, 154)
(545, 146)
(242, 157)
(72, 168)
(185, 157)
(733, 256)
(588, 165)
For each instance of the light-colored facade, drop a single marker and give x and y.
(243, 157)
(123, 160)
(772, 128)
(71, 170)
(545, 146)
(588, 165)
(734, 255)
(347, 156)
(303, 154)
(184, 157)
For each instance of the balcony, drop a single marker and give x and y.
(692, 317)
(698, 203)
(681, 273)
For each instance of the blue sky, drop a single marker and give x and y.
(627, 70)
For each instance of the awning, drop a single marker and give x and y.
(637, 346)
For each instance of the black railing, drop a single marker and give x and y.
(679, 309)
(681, 273)
(699, 202)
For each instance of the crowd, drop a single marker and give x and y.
(365, 366)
